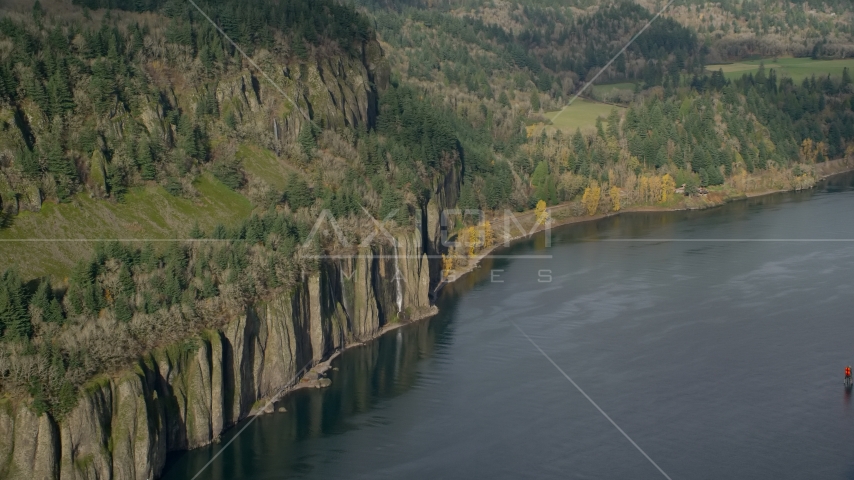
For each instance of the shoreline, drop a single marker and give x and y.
(474, 262)
(318, 371)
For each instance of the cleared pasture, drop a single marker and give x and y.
(796, 68)
(581, 114)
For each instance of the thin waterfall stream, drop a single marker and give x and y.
(397, 282)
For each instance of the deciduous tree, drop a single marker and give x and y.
(542, 213)
(591, 197)
(668, 186)
(614, 192)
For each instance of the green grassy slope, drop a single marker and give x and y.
(52, 240)
(581, 114)
(263, 164)
(796, 68)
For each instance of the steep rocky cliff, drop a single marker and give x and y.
(336, 90)
(446, 191)
(184, 396)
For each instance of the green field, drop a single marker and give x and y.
(52, 240)
(581, 114)
(796, 68)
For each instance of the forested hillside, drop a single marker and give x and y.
(105, 103)
(502, 65)
(129, 107)
(715, 132)
(505, 55)
(739, 29)
(120, 108)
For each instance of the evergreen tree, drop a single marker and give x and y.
(7, 82)
(299, 48)
(535, 101)
(297, 193)
(230, 120)
(196, 232)
(503, 100)
(541, 173)
(578, 143)
(54, 313)
(392, 204)
(58, 165)
(467, 200)
(29, 163)
(124, 311)
(45, 300)
(104, 86)
(43, 294)
(35, 90)
(61, 99)
(307, 140)
(834, 140)
(614, 124)
(38, 11)
(14, 317)
(714, 176)
(219, 232)
(144, 160)
(544, 183)
(209, 289)
(189, 137)
(126, 282)
(148, 258)
(229, 173)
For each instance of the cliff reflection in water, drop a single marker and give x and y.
(363, 378)
(421, 401)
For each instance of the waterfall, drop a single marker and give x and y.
(345, 295)
(397, 280)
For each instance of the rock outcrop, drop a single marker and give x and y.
(186, 395)
(335, 91)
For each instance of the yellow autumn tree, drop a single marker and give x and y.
(473, 240)
(668, 186)
(807, 150)
(591, 197)
(643, 189)
(487, 234)
(447, 264)
(615, 198)
(810, 150)
(654, 189)
(456, 259)
(542, 213)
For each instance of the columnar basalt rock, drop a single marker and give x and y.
(186, 395)
(29, 446)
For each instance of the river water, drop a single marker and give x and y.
(718, 349)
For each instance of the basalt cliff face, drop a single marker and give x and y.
(335, 90)
(184, 396)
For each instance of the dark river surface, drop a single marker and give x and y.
(719, 357)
